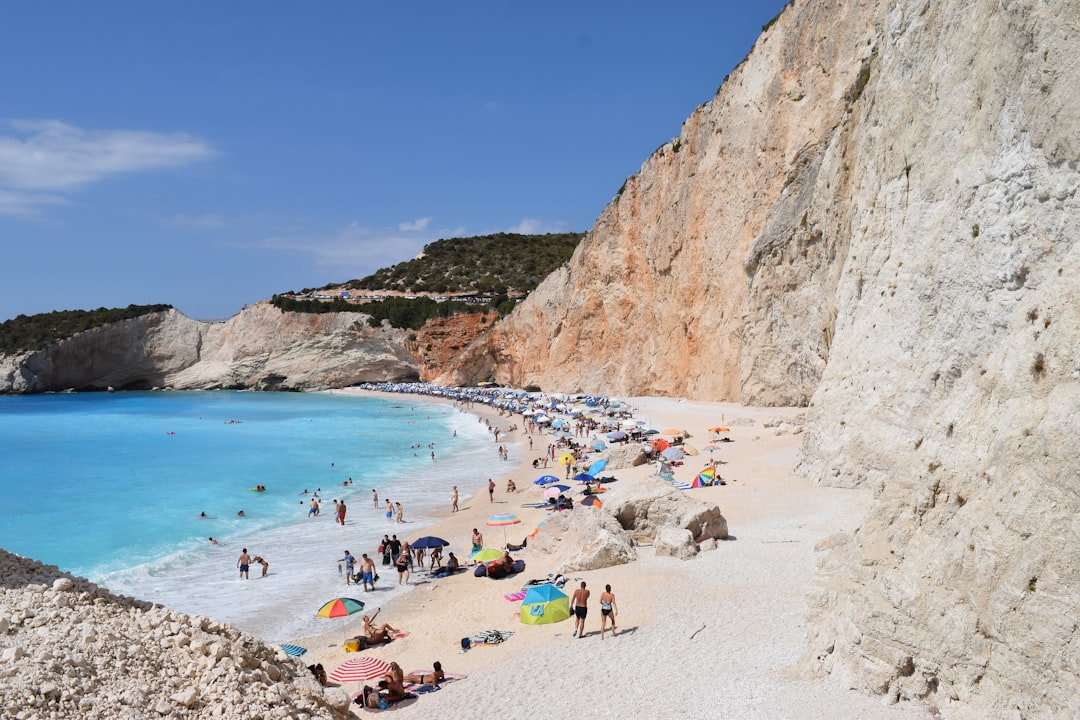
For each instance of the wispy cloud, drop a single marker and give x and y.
(415, 226)
(26, 204)
(212, 221)
(536, 226)
(49, 155)
(354, 250)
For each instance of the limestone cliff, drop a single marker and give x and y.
(876, 216)
(260, 347)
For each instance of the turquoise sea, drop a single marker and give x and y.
(110, 486)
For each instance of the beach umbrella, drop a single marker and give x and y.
(659, 444)
(340, 607)
(651, 431)
(545, 480)
(617, 435)
(359, 669)
(566, 459)
(544, 604)
(672, 431)
(592, 500)
(672, 454)
(599, 445)
(562, 434)
(719, 429)
(707, 476)
(552, 492)
(502, 521)
(584, 477)
(428, 542)
(597, 467)
(486, 554)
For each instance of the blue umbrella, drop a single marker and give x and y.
(617, 435)
(545, 480)
(584, 477)
(599, 446)
(597, 467)
(428, 542)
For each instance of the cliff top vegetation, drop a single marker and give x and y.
(26, 333)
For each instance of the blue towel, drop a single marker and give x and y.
(294, 650)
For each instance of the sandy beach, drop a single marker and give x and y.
(717, 636)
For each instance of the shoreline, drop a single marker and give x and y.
(726, 628)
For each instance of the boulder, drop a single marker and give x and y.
(675, 542)
(584, 538)
(658, 506)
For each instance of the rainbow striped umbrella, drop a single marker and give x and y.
(502, 521)
(340, 607)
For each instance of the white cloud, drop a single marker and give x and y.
(414, 226)
(212, 220)
(25, 204)
(536, 226)
(52, 155)
(353, 251)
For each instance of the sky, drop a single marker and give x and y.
(208, 155)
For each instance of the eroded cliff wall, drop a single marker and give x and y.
(260, 347)
(876, 215)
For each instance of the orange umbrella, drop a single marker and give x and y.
(718, 429)
(660, 444)
(672, 431)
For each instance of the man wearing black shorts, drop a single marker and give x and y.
(580, 605)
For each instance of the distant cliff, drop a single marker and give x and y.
(259, 348)
(877, 217)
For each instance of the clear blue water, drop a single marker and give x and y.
(111, 487)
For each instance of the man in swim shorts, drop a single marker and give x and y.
(349, 561)
(367, 572)
(580, 605)
(243, 562)
(341, 513)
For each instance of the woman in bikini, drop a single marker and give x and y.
(608, 609)
(432, 678)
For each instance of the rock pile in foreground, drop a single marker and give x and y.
(70, 649)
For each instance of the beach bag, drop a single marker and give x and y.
(480, 571)
(466, 643)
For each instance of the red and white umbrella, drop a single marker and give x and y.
(359, 669)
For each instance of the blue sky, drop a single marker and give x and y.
(210, 154)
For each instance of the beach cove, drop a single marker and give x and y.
(717, 636)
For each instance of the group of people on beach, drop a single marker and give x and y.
(245, 561)
(579, 605)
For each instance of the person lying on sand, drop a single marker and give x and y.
(395, 683)
(432, 678)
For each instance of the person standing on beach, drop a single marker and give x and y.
(243, 562)
(389, 511)
(453, 506)
(375, 496)
(395, 549)
(477, 541)
(313, 508)
(341, 513)
(367, 575)
(608, 609)
(491, 490)
(400, 512)
(349, 561)
(402, 564)
(580, 605)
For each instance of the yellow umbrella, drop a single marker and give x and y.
(566, 459)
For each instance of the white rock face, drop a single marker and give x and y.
(106, 656)
(877, 217)
(260, 347)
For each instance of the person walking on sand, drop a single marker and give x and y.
(402, 564)
(491, 490)
(580, 605)
(243, 562)
(453, 505)
(349, 561)
(608, 609)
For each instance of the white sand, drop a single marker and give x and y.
(714, 637)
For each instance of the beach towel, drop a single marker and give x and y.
(515, 597)
(490, 637)
(294, 650)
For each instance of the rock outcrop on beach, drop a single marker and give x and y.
(259, 348)
(876, 217)
(69, 649)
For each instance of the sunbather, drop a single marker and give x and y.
(432, 678)
(377, 634)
